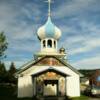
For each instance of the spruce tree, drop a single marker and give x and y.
(3, 72)
(12, 70)
(3, 45)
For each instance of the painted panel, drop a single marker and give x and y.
(49, 61)
(50, 90)
(62, 86)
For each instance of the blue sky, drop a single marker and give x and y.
(79, 21)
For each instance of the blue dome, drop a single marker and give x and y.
(49, 30)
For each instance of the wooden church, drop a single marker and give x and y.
(49, 73)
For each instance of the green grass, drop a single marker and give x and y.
(9, 93)
(14, 98)
(80, 98)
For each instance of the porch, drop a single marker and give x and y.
(49, 84)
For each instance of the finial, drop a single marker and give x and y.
(49, 7)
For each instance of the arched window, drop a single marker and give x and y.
(49, 43)
(44, 43)
(55, 44)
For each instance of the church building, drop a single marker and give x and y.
(48, 73)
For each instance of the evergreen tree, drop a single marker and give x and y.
(3, 45)
(12, 70)
(3, 72)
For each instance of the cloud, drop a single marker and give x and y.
(75, 7)
(13, 14)
(86, 45)
(84, 38)
(19, 21)
(17, 63)
(88, 63)
(78, 20)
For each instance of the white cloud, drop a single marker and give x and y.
(86, 45)
(12, 17)
(81, 41)
(88, 63)
(74, 7)
(20, 24)
(18, 63)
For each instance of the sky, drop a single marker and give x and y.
(79, 21)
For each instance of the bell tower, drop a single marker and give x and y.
(49, 35)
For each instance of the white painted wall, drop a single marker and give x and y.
(72, 82)
(73, 86)
(25, 83)
(25, 86)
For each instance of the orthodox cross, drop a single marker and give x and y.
(49, 7)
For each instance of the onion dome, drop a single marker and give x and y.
(62, 50)
(49, 30)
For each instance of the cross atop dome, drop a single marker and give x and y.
(49, 7)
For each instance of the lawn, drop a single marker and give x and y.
(14, 98)
(81, 98)
(9, 93)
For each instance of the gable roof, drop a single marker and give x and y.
(50, 69)
(33, 62)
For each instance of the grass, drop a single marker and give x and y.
(15, 98)
(9, 93)
(80, 98)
